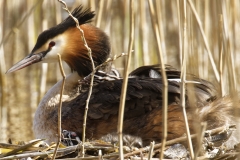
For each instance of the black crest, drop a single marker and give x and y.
(83, 16)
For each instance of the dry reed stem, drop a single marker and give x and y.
(111, 60)
(229, 58)
(14, 146)
(20, 148)
(159, 17)
(125, 82)
(37, 154)
(150, 154)
(44, 149)
(44, 66)
(99, 154)
(100, 12)
(183, 80)
(164, 77)
(199, 140)
(60, 107)
(205, 40)
(143, 33)
(220, 46)
(3, 92)
(92, 74)
(180, 33)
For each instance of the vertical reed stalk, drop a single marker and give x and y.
(183, 79)
(164, 77)
(60, 107)
(125, 81)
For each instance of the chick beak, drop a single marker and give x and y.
(27, 61)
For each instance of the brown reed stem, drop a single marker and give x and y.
(164, 77)
(125, 82)
(183, 80)
(60, 107)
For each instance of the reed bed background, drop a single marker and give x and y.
(21, 22)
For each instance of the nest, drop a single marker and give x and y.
(211, 147)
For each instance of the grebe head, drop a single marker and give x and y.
(65, 39)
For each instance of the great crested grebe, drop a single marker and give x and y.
(143, 109)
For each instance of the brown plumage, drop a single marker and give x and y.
(143, 106)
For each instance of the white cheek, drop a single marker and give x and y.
(52, 56)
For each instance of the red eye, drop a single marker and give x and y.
(51, 44)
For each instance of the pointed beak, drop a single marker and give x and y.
(27, 61)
